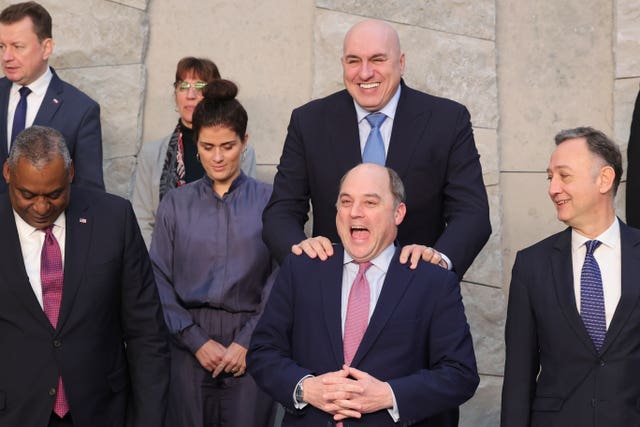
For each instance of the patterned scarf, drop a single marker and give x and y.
(173, 170)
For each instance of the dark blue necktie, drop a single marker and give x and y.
(592, 296)
(20, 117)
(374, 148)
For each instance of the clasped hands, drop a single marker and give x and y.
(216, 358)
(347, 393)
(322, 248)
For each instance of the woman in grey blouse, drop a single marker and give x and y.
(214, 273)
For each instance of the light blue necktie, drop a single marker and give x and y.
(592, 297)
(374, 148)
(20, 116)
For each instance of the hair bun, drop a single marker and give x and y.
(220, 90)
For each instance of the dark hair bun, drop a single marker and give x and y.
(220, 90)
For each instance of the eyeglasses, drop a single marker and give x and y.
(185, 86)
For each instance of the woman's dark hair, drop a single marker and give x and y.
(219, 107)
(202, 67)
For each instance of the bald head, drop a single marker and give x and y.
(372, 63)
(373, 30)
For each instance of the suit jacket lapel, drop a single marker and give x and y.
(408, 127)
(562, 271)
(630, 288)
(5, 88)
(12, 271)
(344, 137)
(78, 237)
(395, 285)
(51, 102)
(331, 301)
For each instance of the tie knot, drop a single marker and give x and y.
(363, 266)
(24, 91)
(376, 119)
(47, 230)
(592, 245)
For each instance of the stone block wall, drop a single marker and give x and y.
(100, 47)
(524, 70)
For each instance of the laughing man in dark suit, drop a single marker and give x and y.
(413, 361)
(427, 140)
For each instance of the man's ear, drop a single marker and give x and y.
(71, 172)
(400, 212)
(5, 171)
(607, 176)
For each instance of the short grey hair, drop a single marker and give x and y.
(599, 144)
(39, 145)
(396, 185)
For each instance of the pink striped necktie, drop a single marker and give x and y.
(357, 313)
(51, 276)
(357, 319)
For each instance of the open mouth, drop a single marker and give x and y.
(369, 85)
(359, 232)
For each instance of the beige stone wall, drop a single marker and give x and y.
(524, 69)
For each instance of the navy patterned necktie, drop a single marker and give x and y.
(592, 296)
(374, 147)
(20, 116)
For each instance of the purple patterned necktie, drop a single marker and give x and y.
(51, 276)
(592, 297)
(20, 116)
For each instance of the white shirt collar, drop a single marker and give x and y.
(609, 237)
(38, 87)
(382, 261)
(25, 229)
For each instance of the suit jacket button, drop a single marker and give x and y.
(602, 362)
(52, 391)
(57, 343)
(594, 402)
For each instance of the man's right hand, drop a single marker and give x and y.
(322, 391)
(318, 246)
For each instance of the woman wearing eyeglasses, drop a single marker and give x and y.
(171, 162)
(214, 273)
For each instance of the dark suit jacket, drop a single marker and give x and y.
(576, 386)
(110, 345)
(633, 169)
(418, 340)
(431, 148)
(76, 117)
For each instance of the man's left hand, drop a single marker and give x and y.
(375, 396)
(413, 253)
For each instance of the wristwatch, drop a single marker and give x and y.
(299, 393)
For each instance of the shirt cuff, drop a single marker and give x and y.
(447, 260)
(296, 404)
(393, 412)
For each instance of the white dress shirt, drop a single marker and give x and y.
(364, 128)
(608, 256)
(375, 276)
(31, 241)
(34, 100)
